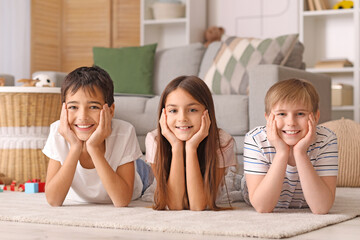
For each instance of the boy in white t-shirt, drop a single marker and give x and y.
(291, 163)
(91, 155)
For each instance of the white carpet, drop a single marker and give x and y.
(243, 221)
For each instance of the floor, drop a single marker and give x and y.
(349, 230)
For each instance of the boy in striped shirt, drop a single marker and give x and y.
(291, 162)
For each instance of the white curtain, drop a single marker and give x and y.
(15, 38)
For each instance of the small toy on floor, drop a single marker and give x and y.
(31, 187)
(34, 186)
(14, 187)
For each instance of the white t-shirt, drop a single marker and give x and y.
(259, 154)
(121, 147)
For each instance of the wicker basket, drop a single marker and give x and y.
(25, 118)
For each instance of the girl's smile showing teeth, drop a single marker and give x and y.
(184, 127)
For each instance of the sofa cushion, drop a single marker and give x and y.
(174, 62)
(347, 132)
(232, 113)
(130, 68)
(295, 59)
(208, 58)
(229, 71)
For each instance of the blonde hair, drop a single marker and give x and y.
(292, 91)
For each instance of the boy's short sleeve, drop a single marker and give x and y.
(257, 152)
(56, 147)
(326, 162)
(151, 146)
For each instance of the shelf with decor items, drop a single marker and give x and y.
(172, 23)
(330, 34)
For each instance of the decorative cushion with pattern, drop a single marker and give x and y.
(347, 132)
(237, 56)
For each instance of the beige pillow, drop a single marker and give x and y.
(348, 135)
(237, 56)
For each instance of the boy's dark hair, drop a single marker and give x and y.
(89, 78)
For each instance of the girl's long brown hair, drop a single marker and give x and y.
(207, 150)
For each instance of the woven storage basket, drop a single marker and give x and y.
(25, 118)
(347, 132)
(167, 10)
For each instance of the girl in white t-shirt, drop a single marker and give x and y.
(91, 155)
(188, 153)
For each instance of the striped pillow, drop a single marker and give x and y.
(237, 56)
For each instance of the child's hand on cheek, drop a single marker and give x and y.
(65, 130)
(304, 143)
(102, 131)
(273, 136)
(203, 132)
(166, 132)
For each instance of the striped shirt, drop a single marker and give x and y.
(259, 154)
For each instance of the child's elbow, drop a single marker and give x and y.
(197, 208)
(263, 210)
(53, 203)
(119, 204)
(320, 211)
(176, 208)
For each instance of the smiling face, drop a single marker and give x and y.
(292, 121)
(183, 114)
(83, 108)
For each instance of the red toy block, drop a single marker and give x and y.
(41, 187)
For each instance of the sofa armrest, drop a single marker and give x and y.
(262, 77)
(57, 77)
(9, 80)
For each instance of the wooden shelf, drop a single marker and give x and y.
(164, 21)
(331, 34)
(331, 70)
(174, 32)
(328, 12)
(343, 108)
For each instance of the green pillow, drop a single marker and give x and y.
(130, 68)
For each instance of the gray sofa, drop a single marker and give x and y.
(236, 114)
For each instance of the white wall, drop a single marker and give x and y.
(254, 18)
(15, 38)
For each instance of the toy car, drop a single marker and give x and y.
(344, 5)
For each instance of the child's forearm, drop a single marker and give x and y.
(58, 186)
(176, 181)
(194, 181)
(319, 195)
(119, 188)
(265, 196)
